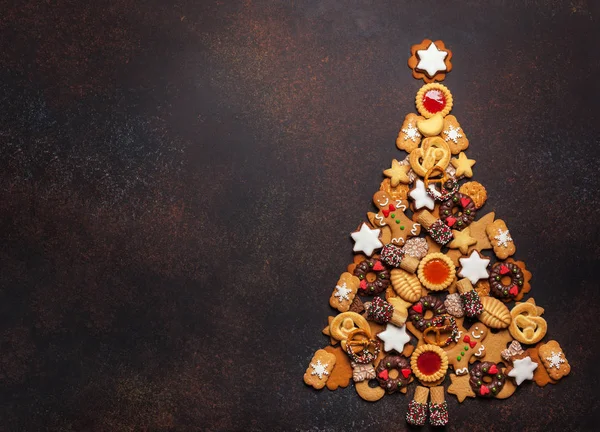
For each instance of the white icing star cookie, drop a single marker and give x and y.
(431, 60)
(421, 197)
(394, 338)
(523, 370)
(366, 240)
(474, 267)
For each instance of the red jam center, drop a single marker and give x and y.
(434, 100)
(429, 362)
(436, 271)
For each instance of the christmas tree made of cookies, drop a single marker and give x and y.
(433, 299)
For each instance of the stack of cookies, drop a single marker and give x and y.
(433, 295)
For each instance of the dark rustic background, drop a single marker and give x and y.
(178, 183)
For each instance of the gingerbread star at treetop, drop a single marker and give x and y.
(430, 61)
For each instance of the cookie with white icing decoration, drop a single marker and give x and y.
(391, 214)
(344, 292)
(409, 136)
(469, 344)
(554, 360)
(474, 267)
(500, 238)
(319, 368)
(430, 61)
(523, 370)
(366, 240)
(421, 197)
(394, 338)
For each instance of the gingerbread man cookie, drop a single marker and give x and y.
(391, 214)
(470, 343)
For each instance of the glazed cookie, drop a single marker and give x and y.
(500, 239)
(454, 135)
(409, 136)
(318, 370)
(344, 292)
(430, 61)
(522, 369)
(474, 267)
(420, 196)
(361, 372)
(416, 247)
(476, 191)
(366, 240)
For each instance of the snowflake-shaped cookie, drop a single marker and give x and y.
(319, 369)
(411, 133)
(503, 238)
(555, 360)
(342, 291)
(453, 133)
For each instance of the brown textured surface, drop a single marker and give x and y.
(178, 181)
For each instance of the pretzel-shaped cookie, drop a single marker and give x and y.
(433, 171)
(526, 325)
(439, 329)
(343, 324)
(360, 347)
(433, 151)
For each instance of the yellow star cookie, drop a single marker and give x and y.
(462, 240)
(463, 165)
(397, 173)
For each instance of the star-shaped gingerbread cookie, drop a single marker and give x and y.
(430, 61)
